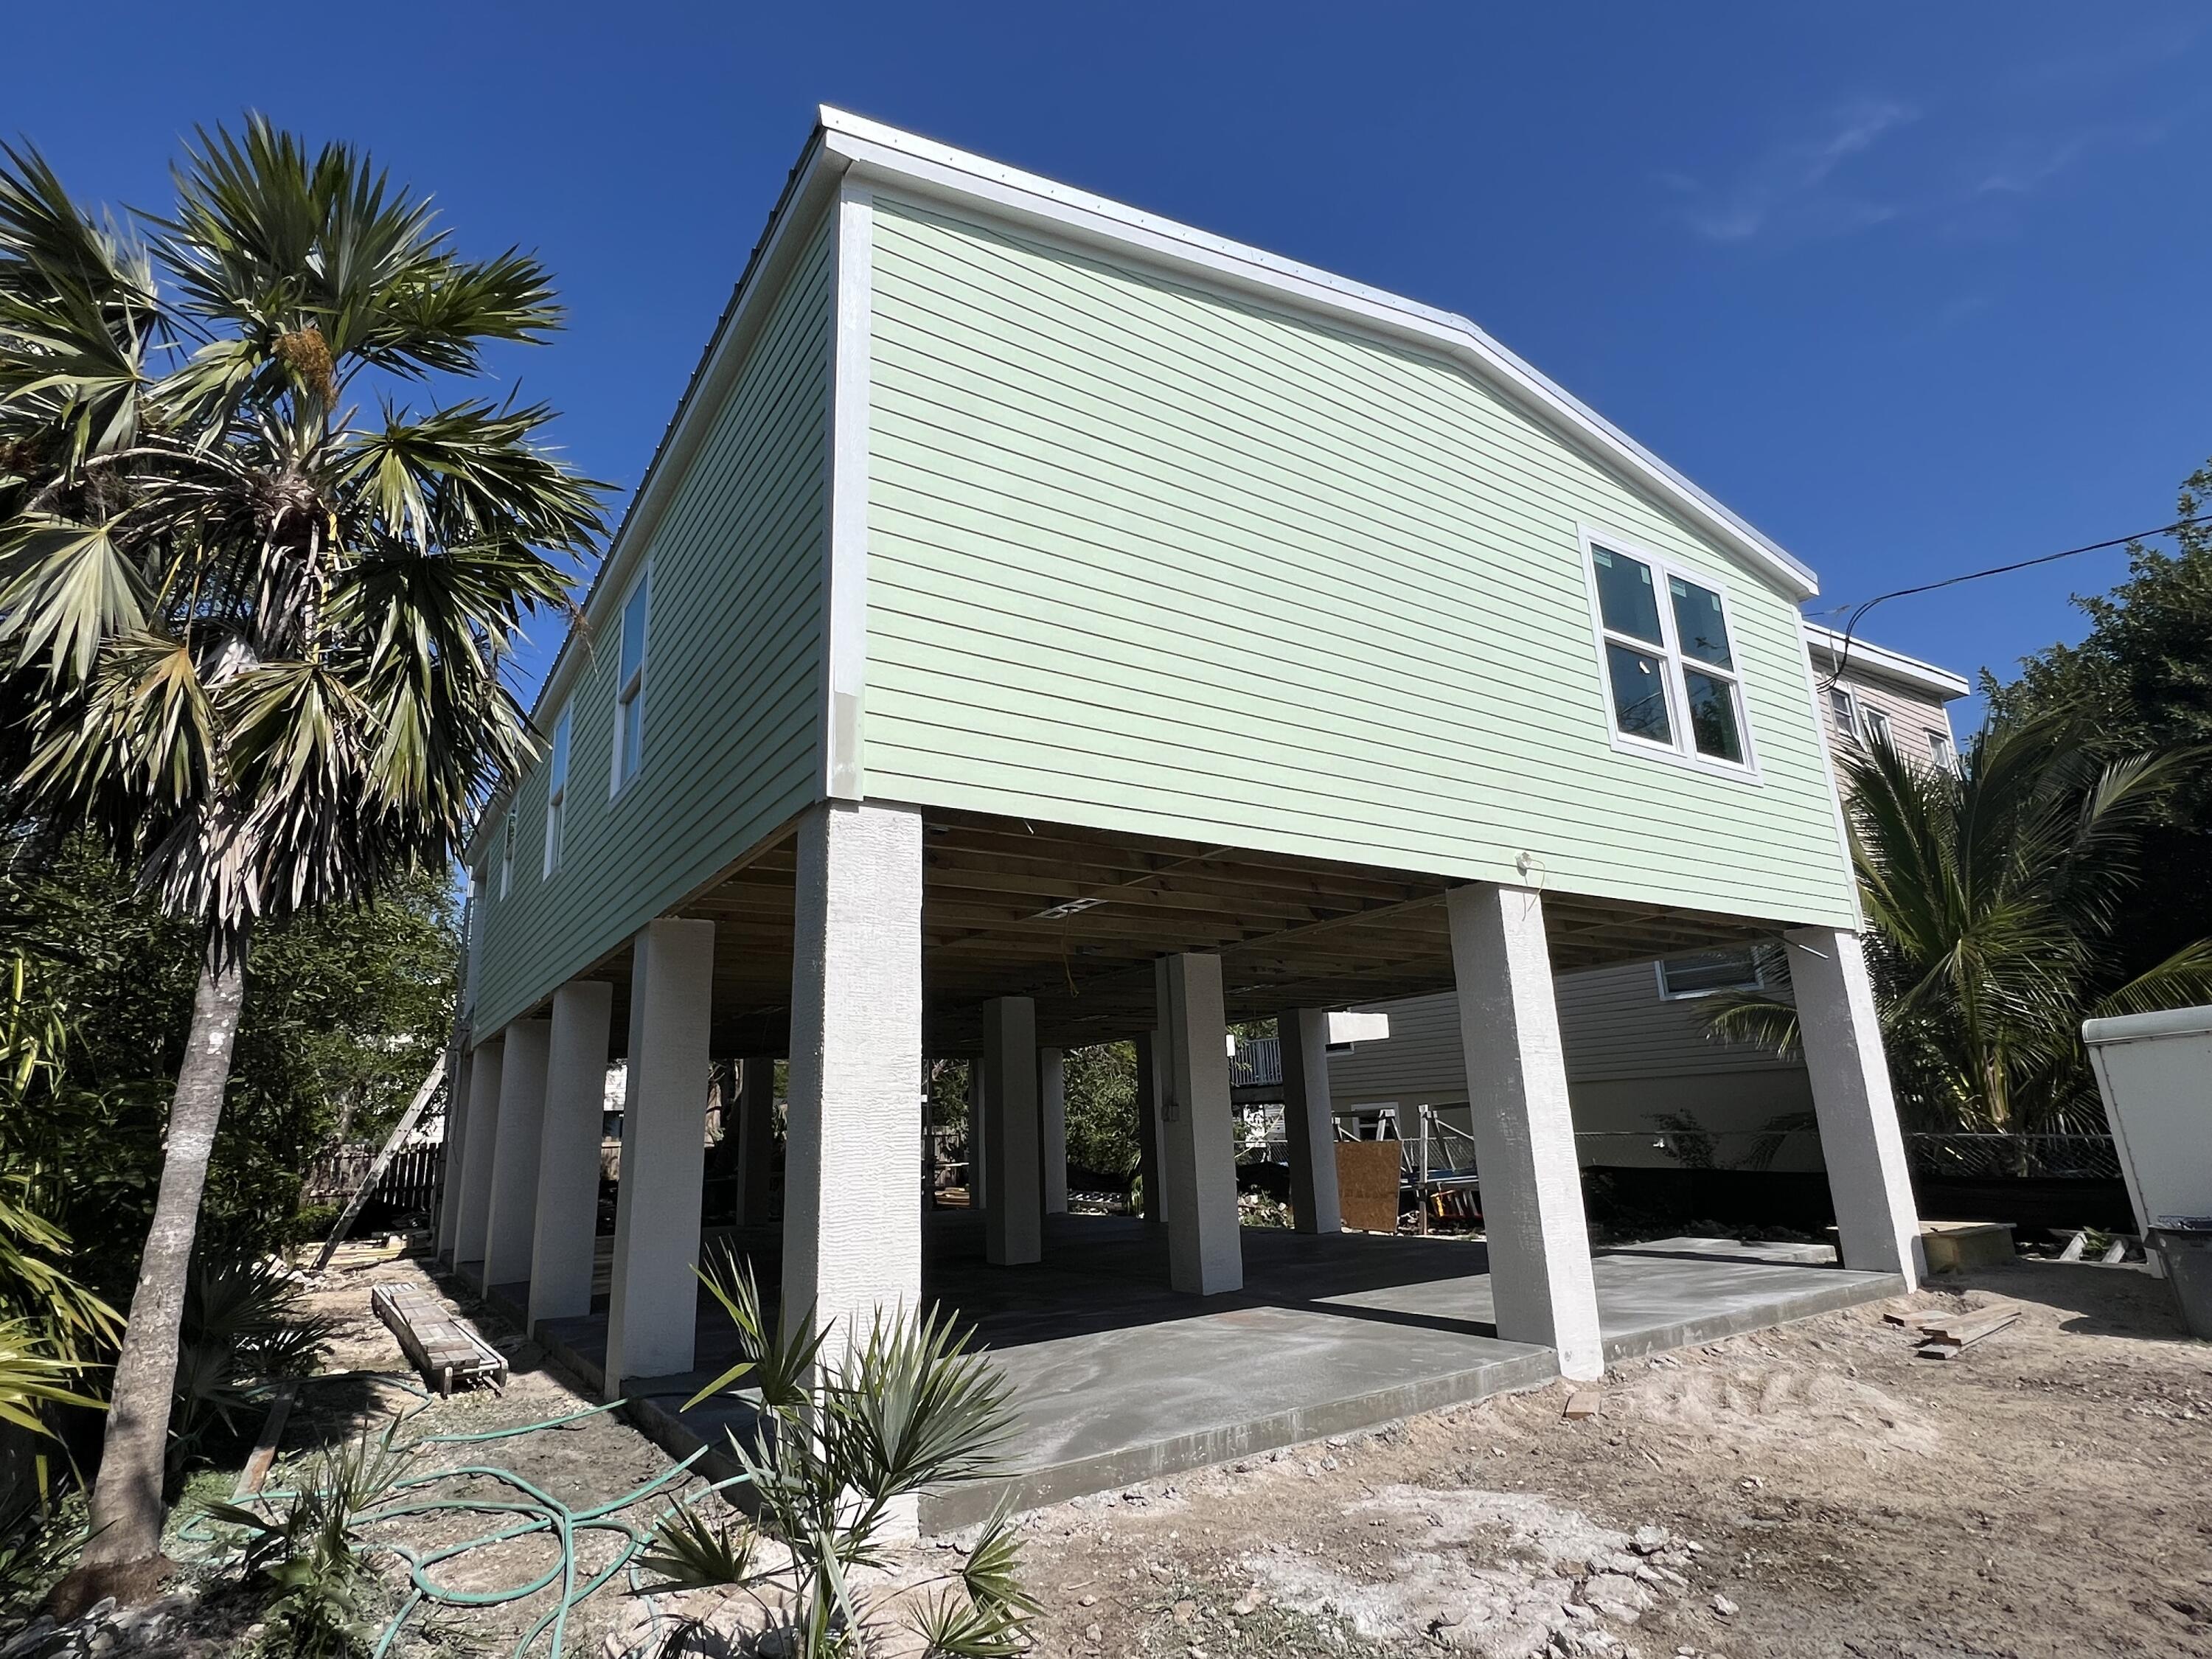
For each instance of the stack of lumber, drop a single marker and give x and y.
(1943, 1333)
(436, 1343)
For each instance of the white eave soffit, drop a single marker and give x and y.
(940, 171)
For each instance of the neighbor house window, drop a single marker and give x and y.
(1876, 724)
(1844, 711)
(1670, 669)
(556, 792)
(630, 685)
(1704, 972)
(507, 856)
(1942, 751)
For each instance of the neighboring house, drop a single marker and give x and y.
(1045, 624)
(1649, 1085)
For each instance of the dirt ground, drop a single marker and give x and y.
(1817, 1489)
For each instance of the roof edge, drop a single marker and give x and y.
(942, 169)
(1879, 659)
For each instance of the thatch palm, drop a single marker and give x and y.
(1991, 895)
(249, 637)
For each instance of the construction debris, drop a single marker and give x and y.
(1582, 1403)
(436, 1344)
(255, 1474)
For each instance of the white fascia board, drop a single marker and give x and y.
(806, 196)
(1827, 644)
(940, 171)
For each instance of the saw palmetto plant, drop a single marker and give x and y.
(840, 1442)
(1991, 895)
(263, 555)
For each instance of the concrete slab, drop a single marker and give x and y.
(1118, 1380)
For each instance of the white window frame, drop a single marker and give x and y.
(557, 789)
(1669, 993)
(1683, 749)
(630, 694)
(1875, 726)
(507, 855)
(1942, 751)
(1848, 730)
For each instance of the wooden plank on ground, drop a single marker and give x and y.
(255, 1475)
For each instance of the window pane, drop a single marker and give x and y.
(1639, 693)
(1710, 971)
(1699, 624)
(1940, 751)
(633, 633)
(632, 736)
(1877, 725)
(557, 769)
(1625, 598)
(1713, 716)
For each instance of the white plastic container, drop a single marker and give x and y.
(2154, 1071)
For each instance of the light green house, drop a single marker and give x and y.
(1044, 623)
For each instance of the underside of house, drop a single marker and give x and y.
(1045, 624)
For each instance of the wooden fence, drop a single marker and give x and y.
(411, 1181)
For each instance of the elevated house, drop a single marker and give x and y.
(1649, 1088)
(1044, 623)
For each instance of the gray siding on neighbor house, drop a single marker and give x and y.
(733, 683)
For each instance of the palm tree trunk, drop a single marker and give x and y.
(126, 1499)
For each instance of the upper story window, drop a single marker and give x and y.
(556, 792)
(1669, 658)
(1874, 724)
(1942, 751)
(630, 685)
(1844, 711)
(1705, 972)
(507, 856)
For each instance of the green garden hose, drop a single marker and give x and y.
(534, 1510)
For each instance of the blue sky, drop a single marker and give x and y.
(1910, 287)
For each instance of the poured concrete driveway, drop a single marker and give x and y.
(1117, 1379)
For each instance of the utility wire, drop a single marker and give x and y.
(1858, 612)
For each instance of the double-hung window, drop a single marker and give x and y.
(1844, 710)
(556, 792)
(1942, 751)
(1672, 683)
(630, 685)
(1874, 725)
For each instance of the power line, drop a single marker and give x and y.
(1858, 612)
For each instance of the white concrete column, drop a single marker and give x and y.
(512, 1225)
(652, 1306)
(1148, 1123)
(561, 1253)
(851, 1208)
(1860, 1139)
(1013, 1221)
(1052, 1129)
(1524, 1134)
(484, 1068)
(755, 1133)
(1309, 1122)
(457, 1129)
(1198, 1147)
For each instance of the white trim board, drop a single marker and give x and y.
(846, 580)
(1827, 644)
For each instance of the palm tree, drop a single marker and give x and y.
(1992, 894)
(250, 635)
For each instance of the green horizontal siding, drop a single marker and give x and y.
(734, 686)
(1149, 559)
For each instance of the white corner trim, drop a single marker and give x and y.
(1683, 753)
(1815, 707)
(942, 172)
(847, 583)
